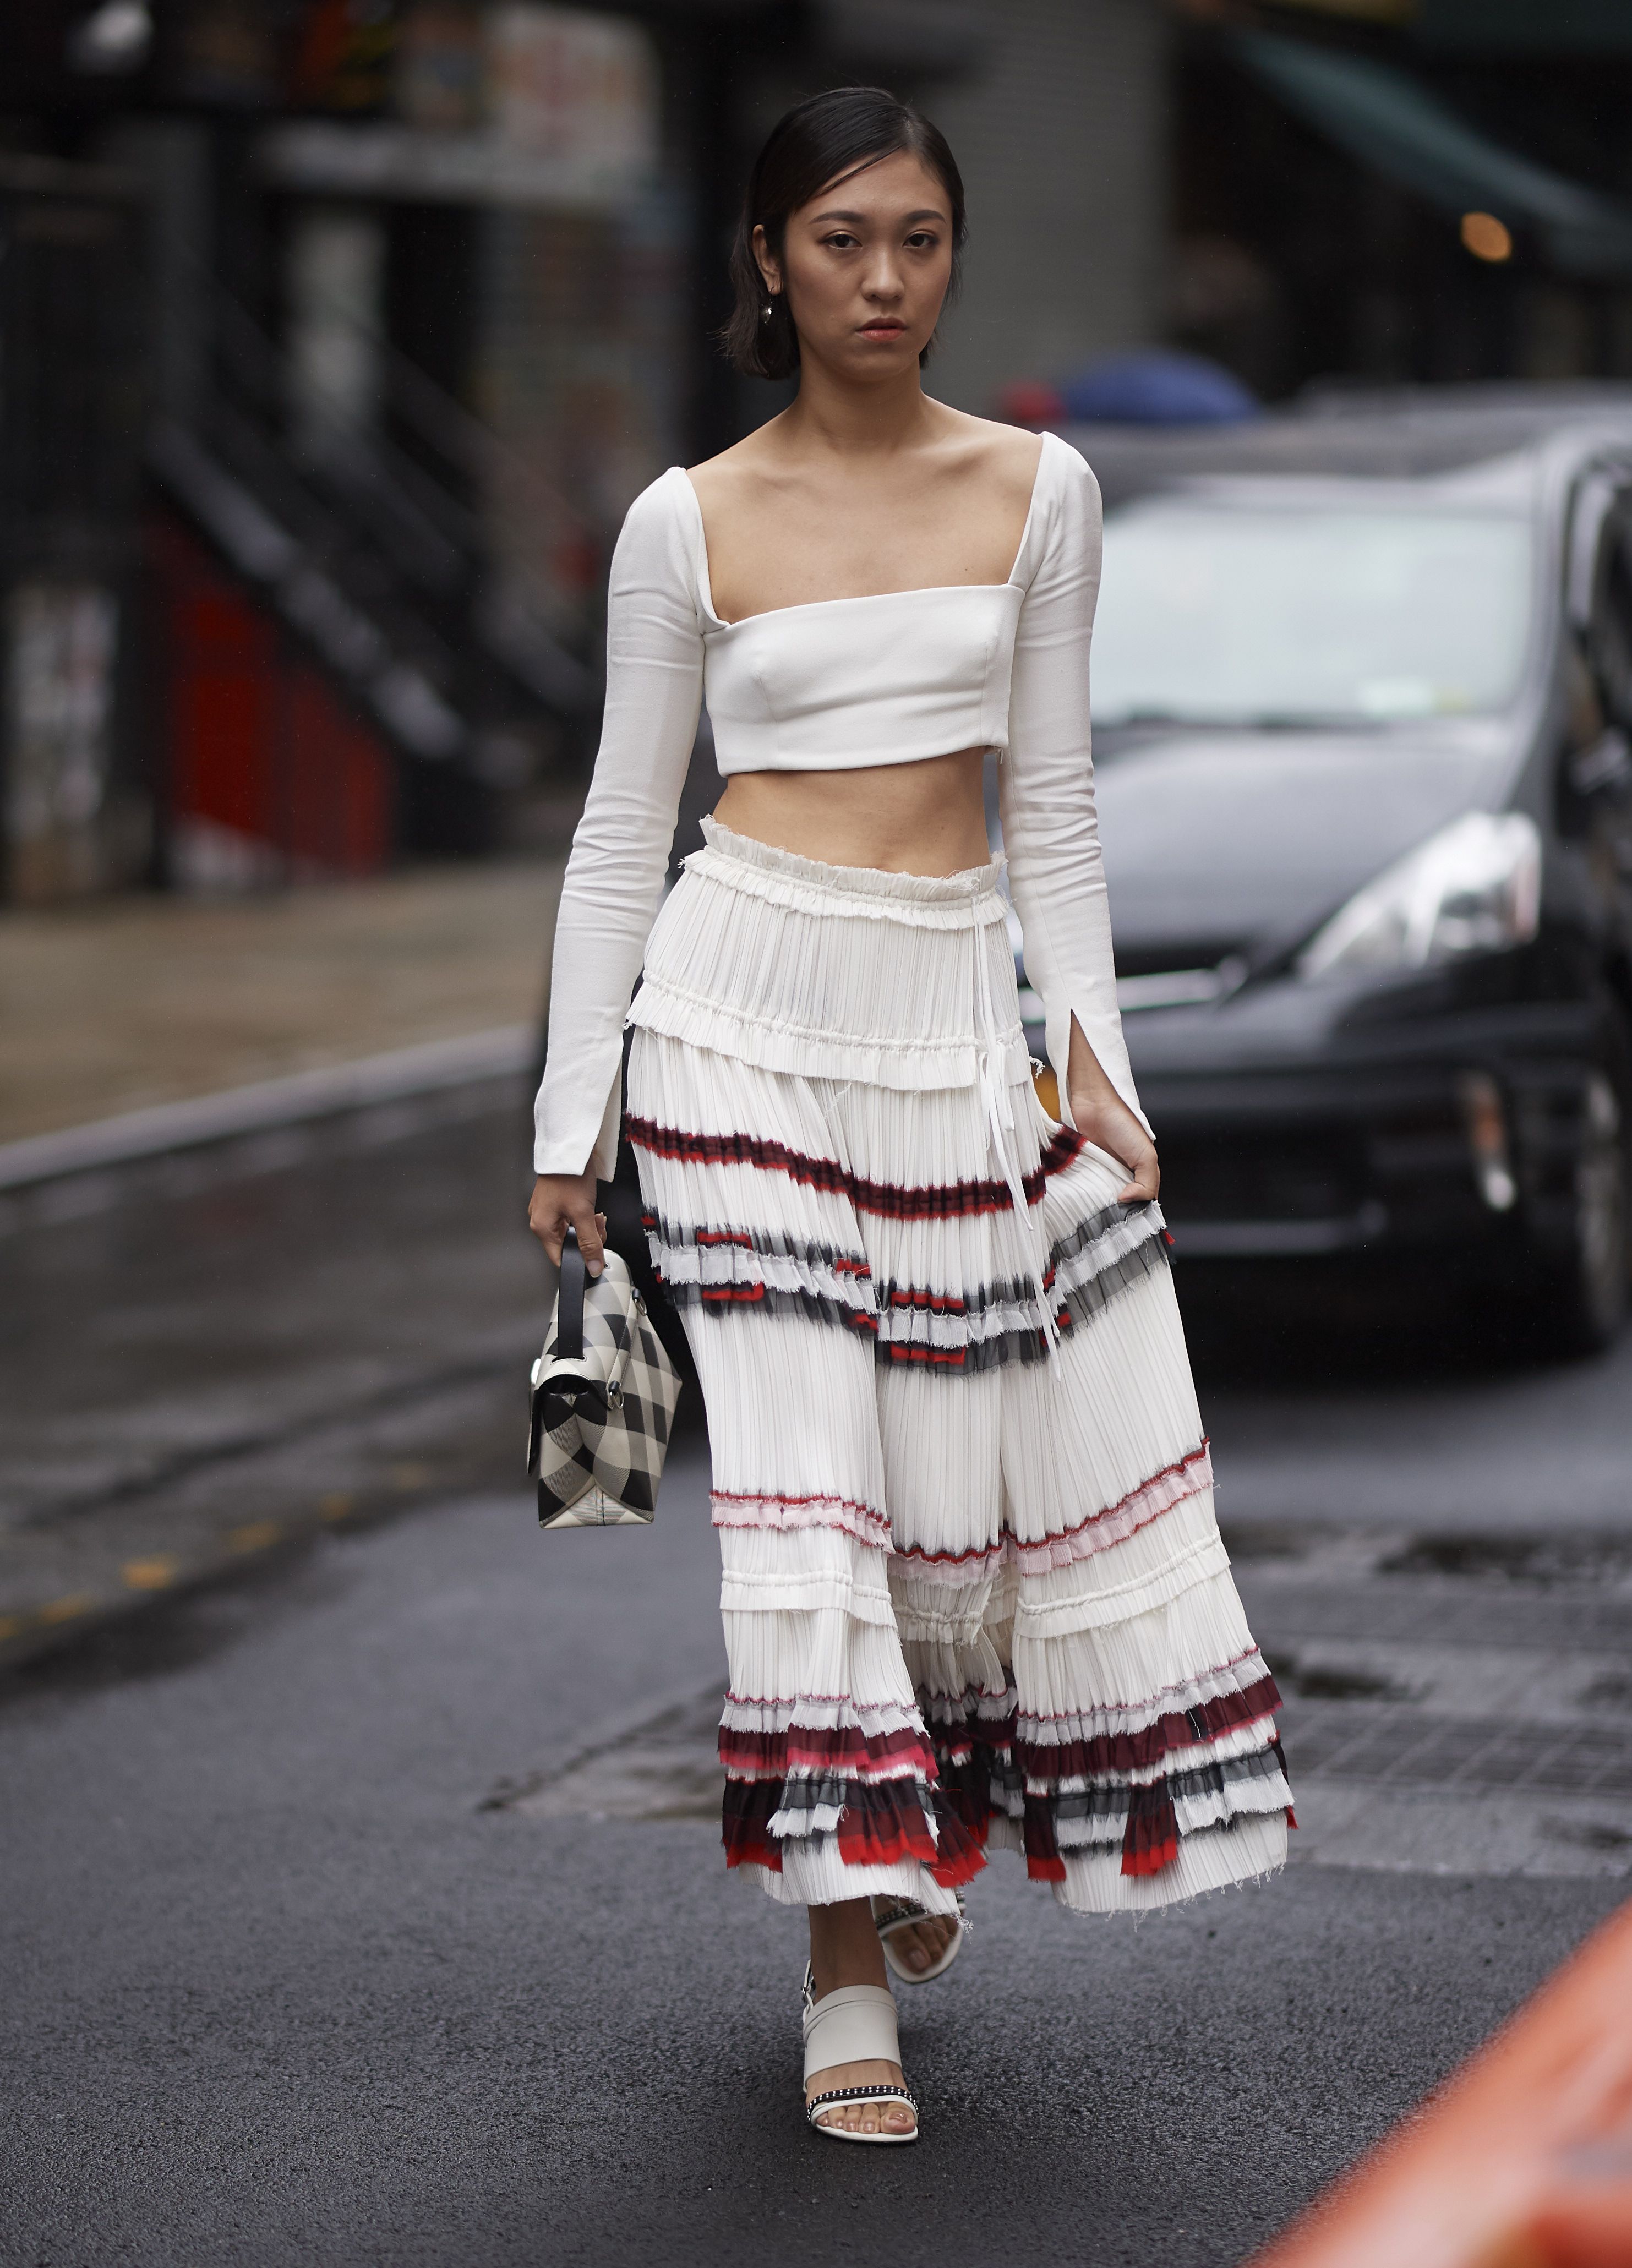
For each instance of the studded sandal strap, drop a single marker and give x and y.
(906, 1913)
(847, 2096)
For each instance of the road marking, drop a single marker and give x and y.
(255, 1535)
(66, 1610)
(153, 1574)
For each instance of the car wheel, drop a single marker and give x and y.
(1584, 1302)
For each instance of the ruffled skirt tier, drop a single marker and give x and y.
(974, 1590)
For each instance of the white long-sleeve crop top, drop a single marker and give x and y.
(832, 686)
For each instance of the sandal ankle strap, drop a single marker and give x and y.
(855, 2024)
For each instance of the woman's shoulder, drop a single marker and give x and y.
(659, 529)
(1066, 512)
(660, 504)
(983, 449)
(1068, 470)
(1040, 468)
(737, 473)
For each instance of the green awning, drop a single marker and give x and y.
(1386, 119)
(1524, 27)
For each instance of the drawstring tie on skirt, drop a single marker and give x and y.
(1001, 1120)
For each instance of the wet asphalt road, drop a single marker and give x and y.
(365, 1908)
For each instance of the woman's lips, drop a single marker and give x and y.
(885, 330)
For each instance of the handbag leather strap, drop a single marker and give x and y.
(569, 1301)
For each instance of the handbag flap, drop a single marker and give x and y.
(609, 1311)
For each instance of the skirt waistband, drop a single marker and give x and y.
(810, 885)
(903, 980)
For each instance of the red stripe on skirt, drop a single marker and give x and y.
(939, 1201)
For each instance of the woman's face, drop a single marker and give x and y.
(866, 265)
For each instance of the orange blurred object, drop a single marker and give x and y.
(1486, 237)
(1522, 2160)
(1047, 1090)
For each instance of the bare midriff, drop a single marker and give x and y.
(923, 818)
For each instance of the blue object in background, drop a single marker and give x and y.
(1157, 387)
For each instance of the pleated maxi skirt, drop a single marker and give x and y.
(974, 1590)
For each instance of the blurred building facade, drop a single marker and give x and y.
(351, 327)
(1403, 191)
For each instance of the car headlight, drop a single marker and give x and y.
(1473, 887)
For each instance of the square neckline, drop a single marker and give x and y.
(705, 587)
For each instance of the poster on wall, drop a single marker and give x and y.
(62, 644)
(225, 53)
(344, 54)
(572, 87)
(516, 105)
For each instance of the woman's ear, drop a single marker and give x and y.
(770, 270)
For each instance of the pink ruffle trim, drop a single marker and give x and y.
(1190, 1477)
(861, 1521)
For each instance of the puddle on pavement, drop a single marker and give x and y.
(1252, 1541)
(1316, 1681)
(1543, 1560)
(1590, 1834)
(666, 1768)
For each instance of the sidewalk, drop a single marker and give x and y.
(121, 1006)
(213, 1361)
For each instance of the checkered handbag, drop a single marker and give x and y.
(604, 1392)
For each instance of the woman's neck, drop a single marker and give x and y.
(832, 417)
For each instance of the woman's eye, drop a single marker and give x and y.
(922, 241)
(840, 242)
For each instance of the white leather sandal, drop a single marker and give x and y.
(890, 1916)
(855, 2024)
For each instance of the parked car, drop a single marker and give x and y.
(1362, 696)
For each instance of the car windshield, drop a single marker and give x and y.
(1226, 612)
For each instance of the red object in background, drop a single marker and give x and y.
(258, 743)
(342, 61)
(1028, 401)
(1523, 2158)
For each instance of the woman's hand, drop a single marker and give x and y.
(1112, 1127)
(1098, 1112)
(564, 1200)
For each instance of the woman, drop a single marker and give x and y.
(974, 1595)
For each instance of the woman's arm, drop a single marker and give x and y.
(1050, 828)
(1099, 1111)
(614, 880)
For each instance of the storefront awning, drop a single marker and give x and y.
(1383, 118)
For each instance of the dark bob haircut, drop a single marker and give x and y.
(820, 140)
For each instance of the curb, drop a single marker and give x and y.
(330, 1092)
